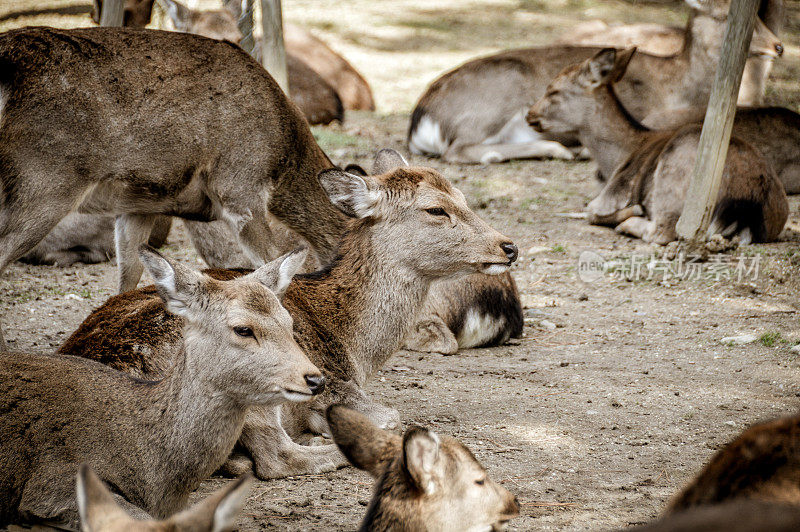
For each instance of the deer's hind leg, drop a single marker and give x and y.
(130, 232)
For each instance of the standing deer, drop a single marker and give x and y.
(476, 113)
(409, 227)
(424, 482)
(100, 512)
(197, 130)
(650, 170)
(154, 441)
(657, 39)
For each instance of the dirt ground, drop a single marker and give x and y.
(620, 389)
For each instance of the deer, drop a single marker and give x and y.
(752, 483)
(650, 170)
(315, 97)
(479, 310)
(446, 122)
(100, 512)
(408, 228)
(423, 481)
(254, 164)
(658, 39)
(154, 441)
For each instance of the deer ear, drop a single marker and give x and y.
(356, 196)
(218, 511)
(278, 274)
(387, 160)
(364, 445)
(96, 505)
(597, 71)
(176, 284)
(355, 169)
(422, 458)
(621, 64)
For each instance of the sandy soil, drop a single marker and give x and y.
(594, 423)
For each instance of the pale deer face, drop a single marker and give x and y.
(100, 512)
(708, 28)
(426, 482)
(570, 102)
(420, 221)
(241, 326)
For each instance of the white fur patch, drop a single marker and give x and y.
(427, 138)
(515, 131)
(745, 236)
(478, 329)
(491, 157)
(496, 269)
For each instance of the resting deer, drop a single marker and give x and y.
(650, 171)
(100, 512)
(475, 311)
(476, 113)
(753, 483)
(424, 482)
(408, 228)
(657, 39)
(256, 162)
(154, 441)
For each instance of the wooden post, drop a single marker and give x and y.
(273, 51)
(111, 13)
(245, 23)
(712, 150)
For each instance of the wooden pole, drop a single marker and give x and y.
(245, 23)
(712, 150)
(273, 51)
(111, 13)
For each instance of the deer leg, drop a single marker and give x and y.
(276, 455)
(496, 153)
(431, 336)
(636, 226)
(617, 217)
(130, 232)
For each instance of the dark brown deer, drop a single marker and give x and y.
(423, 481)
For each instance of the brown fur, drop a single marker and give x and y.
(731, 516)
(153, 441)
(652, 169)
(349, 317)
(177, 172)
(424, 482)
(762, 463)
(509, 82)
(101, 513)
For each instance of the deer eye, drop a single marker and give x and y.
(244, 332)
(436, 211)
(480, 482)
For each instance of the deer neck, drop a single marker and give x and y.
(188, 425)
(611, 133)
(366, 301)
(694, 66)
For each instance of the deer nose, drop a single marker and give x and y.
(510, 250)
(779, 49)
(316, 383)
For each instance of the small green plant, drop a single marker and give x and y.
(771, 339)
(558, 248)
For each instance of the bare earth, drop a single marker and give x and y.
(594, 423)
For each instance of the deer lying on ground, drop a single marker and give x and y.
(154, 441)
(448, 121)
(409, 227)
(424, 481)
(259, 160)
(315, 97)
(753, 483)
(475, 311)
(100, 512)
(663, 40)
(650, 170)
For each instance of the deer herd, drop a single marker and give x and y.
(319, 274)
